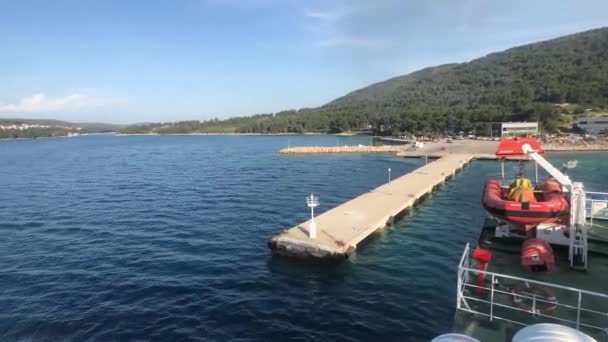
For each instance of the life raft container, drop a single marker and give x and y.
(549, 205)
(537, 256)
(547, 304)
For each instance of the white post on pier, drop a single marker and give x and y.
(312, 201)
(389, 174)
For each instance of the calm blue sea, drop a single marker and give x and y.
(164, 238)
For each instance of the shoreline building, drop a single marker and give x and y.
(509, 129)
(593, 124)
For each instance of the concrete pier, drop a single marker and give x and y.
(475, 156)
(342, 149)
(342, 228)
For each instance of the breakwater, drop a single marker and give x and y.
(342, 149)
(566, 147)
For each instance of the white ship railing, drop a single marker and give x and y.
(466, 300)
(596, 208)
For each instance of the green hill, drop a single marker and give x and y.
(530, 82)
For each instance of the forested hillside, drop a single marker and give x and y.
(533, 82)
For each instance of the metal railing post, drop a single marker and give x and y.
(571, 231)
(591, 210)
(458, 286)
(533, 304)
(492, 299)
(578, 310)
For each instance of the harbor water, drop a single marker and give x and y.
(163, 238)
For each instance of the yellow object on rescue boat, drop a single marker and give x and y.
(521, 190)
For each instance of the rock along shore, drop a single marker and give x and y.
(342, 149)
(579, 147)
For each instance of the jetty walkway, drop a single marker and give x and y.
(342, 228)
(480, 149)
(342, 149)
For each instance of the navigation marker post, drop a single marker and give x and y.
(312, 201)
(389, 174)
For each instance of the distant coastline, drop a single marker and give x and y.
(170, 134)
(471, 146)
(227, 134)
(190, 134)
(58, 136)
(40, 137)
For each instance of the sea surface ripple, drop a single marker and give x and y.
(164, 239)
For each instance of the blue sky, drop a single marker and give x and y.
(136, 61)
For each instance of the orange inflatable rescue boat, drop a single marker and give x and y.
(522, 205)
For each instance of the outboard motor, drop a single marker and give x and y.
(537, 256)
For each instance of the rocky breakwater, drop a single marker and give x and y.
(579, 146)
(342, 149)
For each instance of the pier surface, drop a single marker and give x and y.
(482, 149)
(342, 149)
(342, 228)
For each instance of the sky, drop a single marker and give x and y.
(144, 61)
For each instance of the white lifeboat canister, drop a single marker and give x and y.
(548, 332)
(454, 338)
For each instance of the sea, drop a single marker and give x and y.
(164, 238)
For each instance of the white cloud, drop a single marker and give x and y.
(326, 16)
(40, 103)
(332, 28)
(351, 41)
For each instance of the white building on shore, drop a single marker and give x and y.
(21, 127)
(593, 124)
